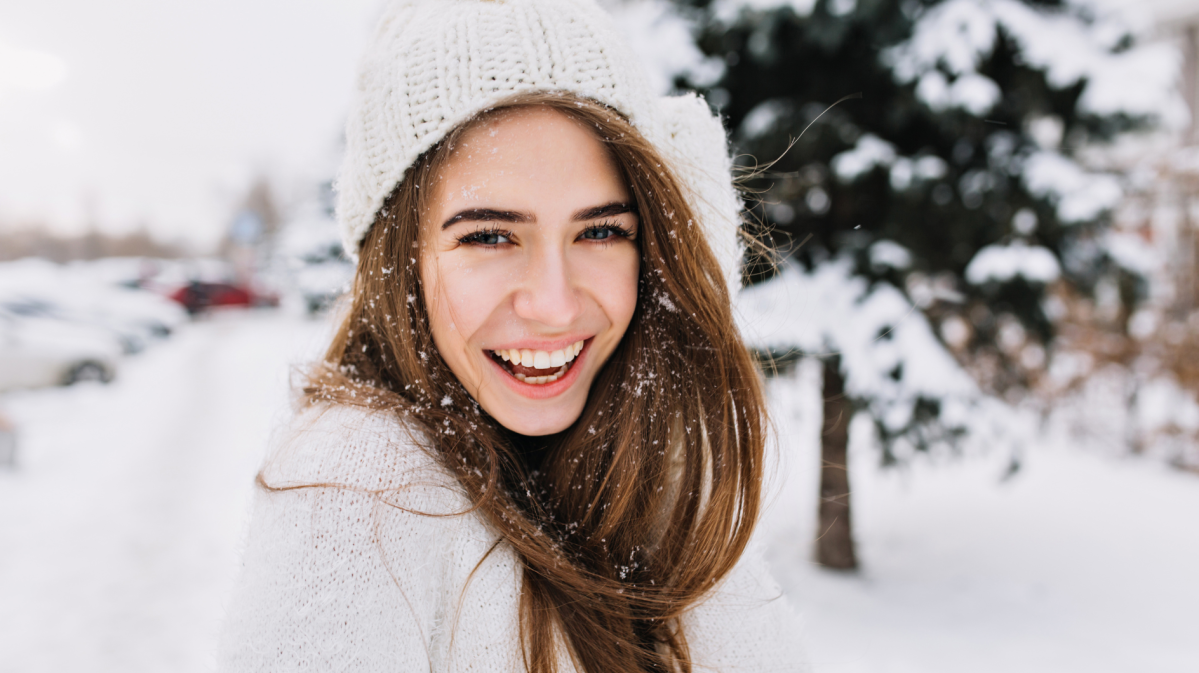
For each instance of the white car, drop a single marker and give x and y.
(38, 353)
(75, 294)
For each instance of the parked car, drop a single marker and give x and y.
(36, 352)
(130, 339)
(77, 294)
(142, 311)
(198, 296)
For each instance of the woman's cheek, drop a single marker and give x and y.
(613, 279)
(472, 289)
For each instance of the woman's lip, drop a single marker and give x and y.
(545, 390)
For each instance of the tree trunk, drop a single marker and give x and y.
(834, 537)
(1190, 79)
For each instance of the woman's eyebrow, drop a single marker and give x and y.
(606, 210)
(487, 215)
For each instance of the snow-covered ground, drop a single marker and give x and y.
(1080, 561)
(120, 525)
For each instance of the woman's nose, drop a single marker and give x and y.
(547, 294)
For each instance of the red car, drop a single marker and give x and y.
(197, 296)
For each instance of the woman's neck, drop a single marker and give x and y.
(532, 449)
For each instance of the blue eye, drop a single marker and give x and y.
(605, 232)
(598, 233)
(487, 237)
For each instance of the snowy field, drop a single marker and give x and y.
(121, 522)
(1079, 562)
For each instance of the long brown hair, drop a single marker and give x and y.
(624, 520)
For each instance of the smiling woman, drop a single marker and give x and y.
(537, 255)
(536, 440)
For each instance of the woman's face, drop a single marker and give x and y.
(529, 265)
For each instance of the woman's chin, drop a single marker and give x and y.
(534, 420)
(536, 408)
(534, 417)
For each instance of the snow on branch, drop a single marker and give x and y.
(869, 152)
(889, 254)
(1003, 263)
(1079, 195)
(727, 11)
(889, 353)
(1131, 253)
(952, 39)
(895, 367)
(971, 92)
(763, 118)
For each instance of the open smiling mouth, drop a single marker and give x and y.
(537, 367)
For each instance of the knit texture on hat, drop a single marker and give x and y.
(433, 64)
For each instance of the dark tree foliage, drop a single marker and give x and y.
(952, 183)
(796, 66)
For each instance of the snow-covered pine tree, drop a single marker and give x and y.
(952, 185)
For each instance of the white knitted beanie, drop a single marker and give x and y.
(434, 64)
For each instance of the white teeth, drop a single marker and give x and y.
(541, 360)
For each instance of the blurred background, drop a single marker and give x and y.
(977, 312)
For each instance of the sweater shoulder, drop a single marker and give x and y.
(746, 623)
(360, 554)
(354, 448)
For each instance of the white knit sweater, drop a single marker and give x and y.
(340, 579)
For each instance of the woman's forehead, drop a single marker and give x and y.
(530, 127)
(526, 157)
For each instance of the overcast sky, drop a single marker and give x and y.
(144, 112)
(129, 113)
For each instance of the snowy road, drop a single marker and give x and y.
(119, 531)
(119, 528)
